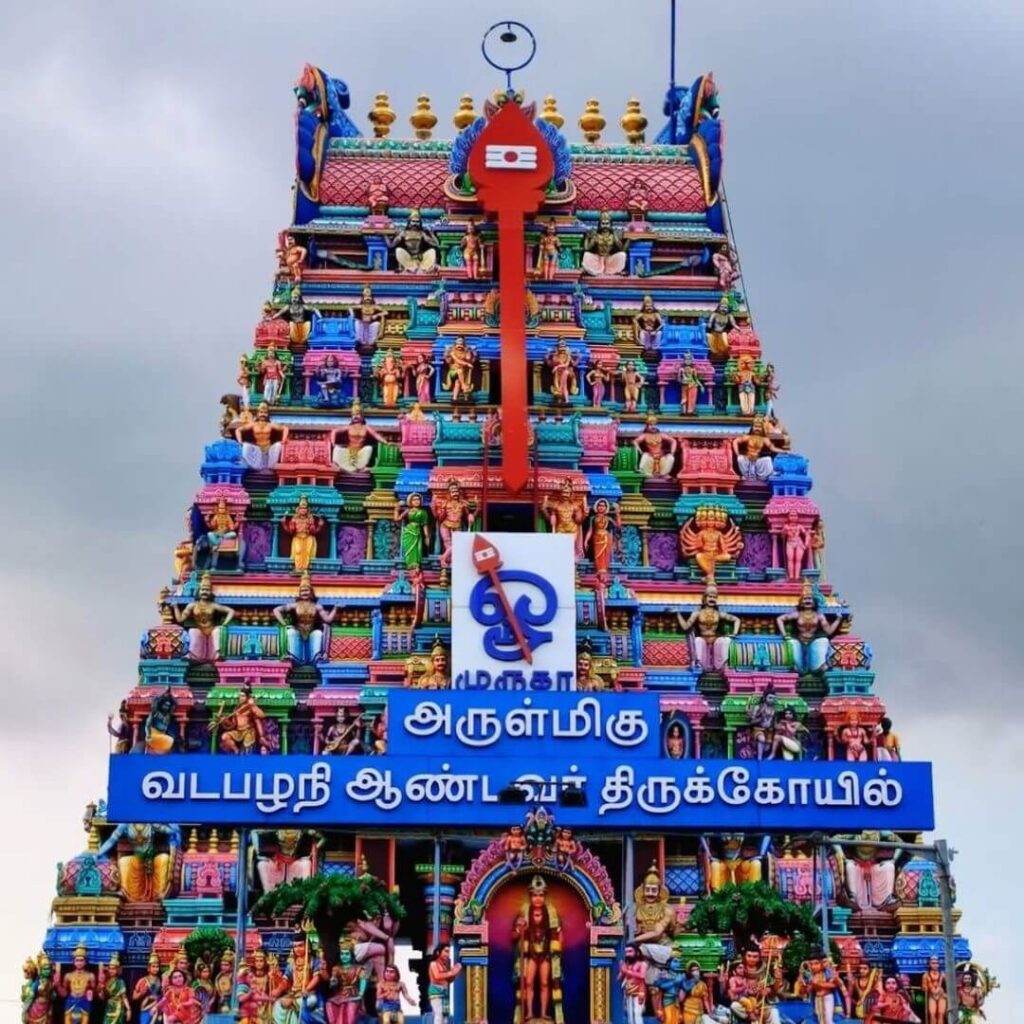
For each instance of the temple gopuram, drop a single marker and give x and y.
(498, 676)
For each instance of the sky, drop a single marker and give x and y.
(872, 162)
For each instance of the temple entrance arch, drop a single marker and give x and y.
(537, 928)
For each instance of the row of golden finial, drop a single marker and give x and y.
(423, 120)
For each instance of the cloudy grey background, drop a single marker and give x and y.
(873, 157)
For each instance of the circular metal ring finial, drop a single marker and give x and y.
(515, 39)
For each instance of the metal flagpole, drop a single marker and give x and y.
(672, 71)
(436, 921)
(822, 880)
(241, 910)
(942, 862)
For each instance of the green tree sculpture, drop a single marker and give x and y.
(331, 902)
(207, 943)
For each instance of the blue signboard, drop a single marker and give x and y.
(608, 791)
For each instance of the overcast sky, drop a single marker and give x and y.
(873, 164)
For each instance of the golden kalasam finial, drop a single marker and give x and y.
(550, 112)
(423, 118)
(633, 121)
(591, 122)
(465, 115)
(382, 116)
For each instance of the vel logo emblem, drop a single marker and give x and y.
(514, 630)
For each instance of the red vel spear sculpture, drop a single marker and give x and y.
(510, 165)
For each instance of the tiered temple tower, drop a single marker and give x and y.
(311, 583)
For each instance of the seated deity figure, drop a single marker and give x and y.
(566, 515)
(200, 616)
(656, 925)
(460, 359)
(710, 537)
(221, 532)
(272, 372)
(436, 676)
(738, 859)
(869, 871)
(329, 380)
(261, 440)
(344, 735)
(350, 452)
(564, 378)
(647, 326)
(145, 859)
(537, 934)
(298, 315)
(159, 731)
(415, 246)
(704, 627)
(279, 854)
(657, 450)
(787, 745)
(719, 324)
(754, 452)
(812, 631)
(242, 731)
(367, 321)
(347, 985)
(604, 250)
(305, 621)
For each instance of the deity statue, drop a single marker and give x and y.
(869, 871)
(159, 733)
(367, 321)
(291, 258)
(695, 995)
(76, 988)
(224, 983)
(303, 620)
(303, 525)
(390, 990)
(737, 862)
(754, 451)
(690, 383)
(415, 248)
(632, 975)
(864, 987)
(38, 993)
(812, 631)
(236, 407)
(565, 515)
(633, 381)
(271, 371)
(251, 999)
(242, 731)
(378, 197)
(933, 987)
(389, 376)
(724, 262)
(349, 451)
(440, 974)
(329, 380)
(675, 741)
(719, 324)
(278, 858)
(461, 361)
(704, 626)
(854, 738)
(221, 527)
(145, 859)
(472, 250)
(892, 1005)
(548, 249)
(566, 849)
(657, 450)
(435, 677)
(588, 679)
(148, 990)
(598, 378)
(656, 925)
(972, 989)
(299, 316)
(821, 982)
(261, 440)
(537, 933)
(453, 512)
(344, 734)
(179, 963)
(259, 982)
(710, 537)
(744, 376)
(600, 536)
(604, 250)
(798, 543)
(200, 616)
(179, 1004)
(122, 732)
(29, 987)
(648, 326)
(414, 538)
(762, 714)
(202, 985)
(637, 202)
(422, 373)
(887, 742)
(564, 379)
